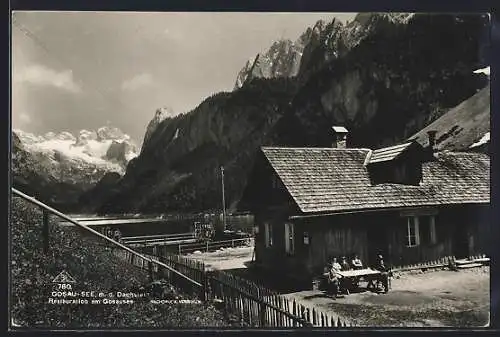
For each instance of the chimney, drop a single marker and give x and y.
(339, 137)
(432, 139)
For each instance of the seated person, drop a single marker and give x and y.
(384, 270)
(356, 263)
(344, 264)
(326, 276)
(334, 277)
(336, 265)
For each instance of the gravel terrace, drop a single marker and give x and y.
(433, 299)
(441, 298)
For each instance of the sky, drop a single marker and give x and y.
(84, 70)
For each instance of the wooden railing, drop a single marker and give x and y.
(212, 245)
(135, 257)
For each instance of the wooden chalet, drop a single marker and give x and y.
(405, 202)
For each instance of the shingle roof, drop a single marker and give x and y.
(330, 180)
(388, 153)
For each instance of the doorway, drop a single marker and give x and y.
(461, 242)
(377, 244)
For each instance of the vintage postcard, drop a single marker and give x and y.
(211, 170)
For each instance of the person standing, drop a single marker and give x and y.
(384, 273)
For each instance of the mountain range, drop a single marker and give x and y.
(385, 77)
(58, 167)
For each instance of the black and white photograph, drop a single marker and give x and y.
(249, 170)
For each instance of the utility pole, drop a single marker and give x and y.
(223, 199)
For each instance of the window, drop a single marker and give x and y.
(421, 229)
(268, 230)
(413, 234)
(289, 238)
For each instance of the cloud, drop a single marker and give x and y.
(25, 118)
(44, 76)
(137, 82)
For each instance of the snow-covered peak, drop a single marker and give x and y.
(89, 147)
(111, 133)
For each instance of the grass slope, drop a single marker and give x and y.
(95, 267)
(461, 126)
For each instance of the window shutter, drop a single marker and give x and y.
(417, 232)
(266, 232)
(292, 238)
(408, 232)
(432, 229)
(287, 238)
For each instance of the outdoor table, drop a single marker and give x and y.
(367, 273)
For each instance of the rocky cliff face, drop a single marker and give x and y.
(282, 59)
(384, 77)
(180, 166)
(59, 167)
(316, 46)
(160, 115)
(393, 83)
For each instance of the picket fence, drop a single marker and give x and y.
(252, 304)
(438, 263)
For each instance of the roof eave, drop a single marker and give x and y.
(381, 209)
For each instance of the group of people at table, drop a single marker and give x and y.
(336, 281)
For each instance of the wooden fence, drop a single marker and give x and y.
(261, 307)
(252, 304)
(212, 245)
(439, 263)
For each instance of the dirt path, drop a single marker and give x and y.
(439, 298)
(228, 258)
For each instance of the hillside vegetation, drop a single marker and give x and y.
(95, 267)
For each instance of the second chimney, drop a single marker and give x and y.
(339, 137)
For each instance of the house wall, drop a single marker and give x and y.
(335, 236)
(328, 237)
(275, 258)
(475, 223)
(399, 254)
(367, 235)
(461, 230)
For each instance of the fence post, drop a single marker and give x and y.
(45, 230)
(262, 309)
(204, 289)
(150, 269)
(207, 245)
